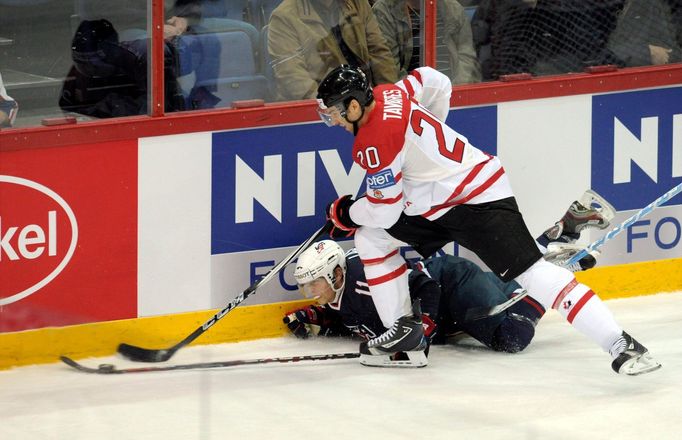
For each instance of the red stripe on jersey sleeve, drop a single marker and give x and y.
(417, 76)
(377, 201)
(408, 88)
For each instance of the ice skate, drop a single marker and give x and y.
(403, 345)
(560, 253)
(633, 358)
(591, 211)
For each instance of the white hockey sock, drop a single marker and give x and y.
(585, 311)
(555, 287)
(389, 288)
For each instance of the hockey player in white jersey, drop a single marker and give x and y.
(426, 186)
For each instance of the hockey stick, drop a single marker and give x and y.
(618, 229)
(140, 354)
(476, 313)
(112, 369)
(483, 312)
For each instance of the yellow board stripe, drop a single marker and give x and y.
(265, 321)
(634, 279)
(102, 338)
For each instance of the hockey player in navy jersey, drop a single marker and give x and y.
(446, 287)
(426, 186)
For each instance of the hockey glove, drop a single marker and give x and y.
(310, 320)
(430, 328)
(338, 217)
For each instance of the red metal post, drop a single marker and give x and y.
(429, 44)
(156, 98)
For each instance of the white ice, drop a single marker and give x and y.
(561, 387)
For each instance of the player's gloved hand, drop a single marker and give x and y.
(338, 215)
(307, 321)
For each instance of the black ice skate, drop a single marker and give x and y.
(403, 345)
(633, 357)
(591, 211)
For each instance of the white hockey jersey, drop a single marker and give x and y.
(415, 163)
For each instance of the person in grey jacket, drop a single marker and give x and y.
(399, 21)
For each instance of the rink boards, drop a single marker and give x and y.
(177, 225)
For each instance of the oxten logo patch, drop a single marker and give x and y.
(38, 236)
(381, 179)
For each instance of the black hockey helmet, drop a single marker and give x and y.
(342, 83)
(338, 88)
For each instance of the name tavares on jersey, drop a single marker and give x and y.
(393, 104)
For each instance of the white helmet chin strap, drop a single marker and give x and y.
(340, 289)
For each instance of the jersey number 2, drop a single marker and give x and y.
(456, 152)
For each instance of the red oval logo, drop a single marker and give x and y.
(38, 236)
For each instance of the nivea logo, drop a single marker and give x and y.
(381, 180)
(637, 146)
(38, 236)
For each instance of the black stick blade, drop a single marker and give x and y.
(139, 354)
(71, 363)
(476, 313)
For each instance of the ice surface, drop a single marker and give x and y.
(561, 387)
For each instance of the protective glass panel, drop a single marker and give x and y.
(455, 53)
(306, 40)
(549, 37)
(83, 59)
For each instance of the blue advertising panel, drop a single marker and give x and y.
(478, 124)
(271, 158)
(636, 156)
(270, 185)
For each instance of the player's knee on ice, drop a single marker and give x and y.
(513, 335)
(518, 327)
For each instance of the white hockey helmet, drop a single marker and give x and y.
(319, 261)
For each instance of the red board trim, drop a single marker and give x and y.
(305, 111)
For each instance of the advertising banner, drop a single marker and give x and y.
(68, 235)
(636, 158)
(270, 187)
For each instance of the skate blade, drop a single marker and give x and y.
(416, 359)
(591, 199)
(639, 365)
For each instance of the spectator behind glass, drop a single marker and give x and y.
(109, 77)
(645, 34)
(184, 14)
(400, 23)
(308, 38)
(543, 37)
(570, 35)
(8, 107)
(501, 30)
(676, 9)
